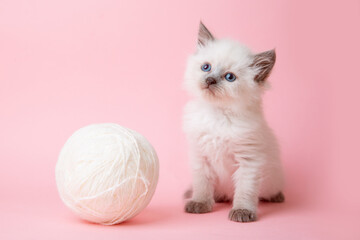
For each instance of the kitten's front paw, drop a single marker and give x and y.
(198, 207)
(242, 215)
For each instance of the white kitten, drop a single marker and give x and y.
(233, 152)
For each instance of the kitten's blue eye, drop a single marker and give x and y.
(230, 77)
(206, 67)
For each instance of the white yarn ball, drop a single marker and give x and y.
(107, 173)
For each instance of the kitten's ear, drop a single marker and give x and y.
(204, 35)
(263, 63)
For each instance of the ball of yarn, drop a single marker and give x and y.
(107, 173)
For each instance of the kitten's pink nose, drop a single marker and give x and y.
(210, 80)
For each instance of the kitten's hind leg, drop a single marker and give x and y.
(272, 186)
(188, 194)
(277, 198)
(221, 198)
(218, 197)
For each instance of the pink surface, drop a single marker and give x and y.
(66, 64)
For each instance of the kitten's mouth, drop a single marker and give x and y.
(209, 89)
(210, 86)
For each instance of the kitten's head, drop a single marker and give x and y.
(223, 70)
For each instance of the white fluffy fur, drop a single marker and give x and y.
(232, 150)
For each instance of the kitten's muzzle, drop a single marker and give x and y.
(210, 81)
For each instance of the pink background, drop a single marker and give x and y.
(66, 64)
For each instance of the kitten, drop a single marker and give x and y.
(233, 152)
